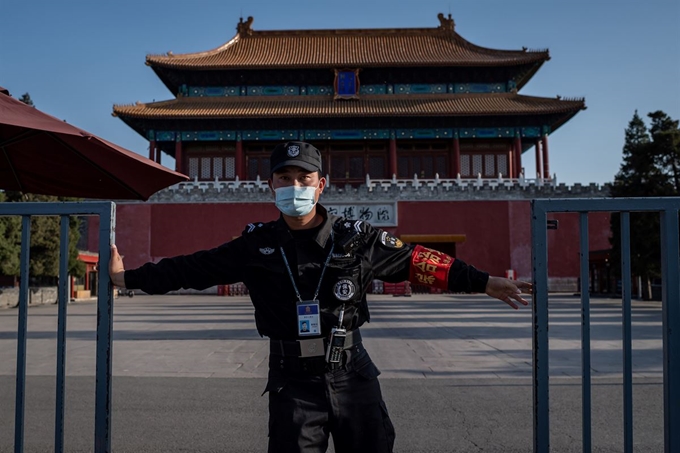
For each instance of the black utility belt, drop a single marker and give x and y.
(310, 347)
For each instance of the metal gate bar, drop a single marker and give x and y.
(21, 336)
(627, 316)
(670, 267)
(670, 245)
(106, 212)
(586, 407)
(61, 333)
(539, 307)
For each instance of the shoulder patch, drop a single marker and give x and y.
(348, 225)
(390, 241)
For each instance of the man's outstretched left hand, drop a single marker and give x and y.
(508, 291)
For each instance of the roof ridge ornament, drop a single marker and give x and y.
(446, 24)
(245, 28)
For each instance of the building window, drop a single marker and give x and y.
(476, 165)
(210, 160)
(376, 167)
(258, 165)
(486, 165)
(424, 166)
(465, 165)
(502, 165)
(489, 166)
(424, 159)
(211, 167)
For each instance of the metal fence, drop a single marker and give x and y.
(670, 265)
(106, 212)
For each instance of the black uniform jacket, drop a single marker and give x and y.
(256, 259)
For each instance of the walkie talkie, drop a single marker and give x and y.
(349, 240)
(336, 342)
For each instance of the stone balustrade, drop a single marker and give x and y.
(436, 189)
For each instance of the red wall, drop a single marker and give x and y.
(485, 224)
(498, 233)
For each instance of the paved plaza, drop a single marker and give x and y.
(456, 374)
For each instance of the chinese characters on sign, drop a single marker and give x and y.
(347, 83)
(379, 215)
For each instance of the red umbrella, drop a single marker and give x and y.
(44, 155)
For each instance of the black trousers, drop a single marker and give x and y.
(307, 403)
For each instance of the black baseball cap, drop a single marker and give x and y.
(298, 154)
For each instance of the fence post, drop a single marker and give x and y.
(539, 257)
(670, 269)
(102, 417)
(21, 335)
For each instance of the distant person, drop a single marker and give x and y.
(315, 267)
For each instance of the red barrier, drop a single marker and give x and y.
(397, 289)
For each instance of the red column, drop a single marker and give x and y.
(238, 161)
(393, 156)
(152, 150)
(518, 157)
(455, 159)
(179, 158)
(539, 160)
(546, 166)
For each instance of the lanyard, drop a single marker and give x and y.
(323, 270)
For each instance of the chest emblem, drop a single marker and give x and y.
(344, 290)
(266, 250)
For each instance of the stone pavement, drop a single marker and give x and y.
(456, 374)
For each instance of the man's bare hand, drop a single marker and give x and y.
(116, 268)
(508, 290)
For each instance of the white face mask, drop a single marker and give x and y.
(295, 201)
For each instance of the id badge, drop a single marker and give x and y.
(308, 318)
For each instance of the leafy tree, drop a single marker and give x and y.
(10, 238)
(650, 168)
(44, 249)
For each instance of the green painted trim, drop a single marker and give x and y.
(347, 134)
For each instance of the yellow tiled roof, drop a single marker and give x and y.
(366, 106)
(440, 46)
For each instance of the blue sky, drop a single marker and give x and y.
(79, 58)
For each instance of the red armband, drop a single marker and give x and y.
(430, 267)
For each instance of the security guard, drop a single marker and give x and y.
(308, 273)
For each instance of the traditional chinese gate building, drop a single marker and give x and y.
(421, 131)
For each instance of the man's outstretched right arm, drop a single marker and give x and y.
(199, 270)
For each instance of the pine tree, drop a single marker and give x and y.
(666, 149)
(650, 168)
(26, 99)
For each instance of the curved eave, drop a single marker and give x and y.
(320, 49)
(367, 106)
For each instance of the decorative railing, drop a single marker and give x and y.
(377, 189)
(219, 186)
(462, 183)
